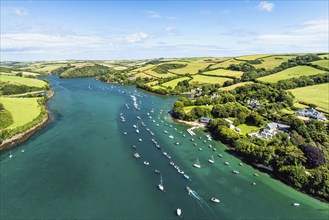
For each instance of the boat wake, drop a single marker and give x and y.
(201, 202)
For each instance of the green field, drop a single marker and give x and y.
(324, 55)
(158, 75)
(189, 108)
(272, 61)
(246, 129)
(143, 68)
(252, 57)
(23, 110)
(226, 63)
(209, 80)
(293, 72)
(23, 81)
(235, 86)
(173, 83)
(322, 63)
(223, 72)
(192, 68)
(318, 95)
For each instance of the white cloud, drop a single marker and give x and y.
(170, 29)
(311, 35)
(266, 6)
(12, 42)
(18, 11)
(156, 15)
(136, 37)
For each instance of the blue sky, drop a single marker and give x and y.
(106, 30)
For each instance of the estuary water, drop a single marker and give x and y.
(81, 166)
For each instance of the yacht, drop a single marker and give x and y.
(146, 163)
(136, 155)
(161, 187)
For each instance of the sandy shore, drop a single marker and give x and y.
(191, 123)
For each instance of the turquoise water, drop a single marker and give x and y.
(81, 166)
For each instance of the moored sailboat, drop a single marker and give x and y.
(197, 163)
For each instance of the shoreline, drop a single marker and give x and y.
(232, 152)
(21, 137)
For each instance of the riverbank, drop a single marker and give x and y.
(262, 168)
(19, 138)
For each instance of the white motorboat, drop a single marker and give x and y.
(171, 137)
(241, 164)
(161, 187)
(140, 140)
(235, 172)
(124, 133)
(211, 160)
(227, 163)
(220, 155)
(197, 164)
(10, 155)
(137, 131)
(215, 200)
(134, 126)
(296, 204)
(178, 212)
(136, 155)
(189, 190)
(146, 163)
(172, 163)
(200, 149)
(186, 177)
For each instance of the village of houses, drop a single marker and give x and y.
(272, 128)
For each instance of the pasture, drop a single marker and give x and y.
(272, 61)
(294, 72)
(231, 87)
(224, 72)
(322, 63)
(173, 83)
(252, 57)
(199, 79)
(191, 68)
(23, 110)
(23, 81)
(317, 94)
(226, 63)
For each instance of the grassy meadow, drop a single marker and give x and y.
(23, 81)
(191, 68)
(293, 72)
(317, 94)
(173, 83)
(273, 61)
(226, 63)
(199, 79)
(322, 63)
(231, 87)
(252, 57)
(23, 110)
(224, 72)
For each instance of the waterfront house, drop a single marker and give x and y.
(311, 113)
(205, 120)
(270, 130)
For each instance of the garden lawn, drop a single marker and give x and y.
(317, 94)
(189, 108)
(23, 81)
(294, 72)
(22, 110)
